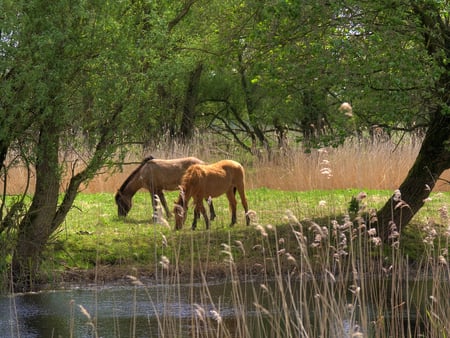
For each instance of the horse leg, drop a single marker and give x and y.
(154, 215)
(212, 212)
(196, 216)
(162, 198)
(205, 215)
(244, 203)
(232, 202)
(200, 209)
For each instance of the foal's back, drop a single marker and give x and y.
(213, 180)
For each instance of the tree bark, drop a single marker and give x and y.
(432, 160)
(190, 103)
(36, 227)
(44, 216)
(3, 152)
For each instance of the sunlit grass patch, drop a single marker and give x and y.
(306, 266)
(93, 234)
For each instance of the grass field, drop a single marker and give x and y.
(317, 185)
(300, 249)
(93, 235)
(301, 230)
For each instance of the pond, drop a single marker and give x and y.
(173, 310)
(108, 311)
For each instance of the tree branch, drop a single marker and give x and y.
(106, 139)
(184, 11)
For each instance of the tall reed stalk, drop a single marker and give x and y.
(341, 281)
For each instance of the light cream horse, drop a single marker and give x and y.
(203, 181)
(155, 175)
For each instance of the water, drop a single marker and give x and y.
(151, 310)
(116, 311)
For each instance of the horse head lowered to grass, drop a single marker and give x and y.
(202, 181)
(155, 175)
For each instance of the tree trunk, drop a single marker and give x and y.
(434, 155)
(190, 102)
(3, 152)
(256, 134)
(45, 215)
(432, 160)
(36, 227)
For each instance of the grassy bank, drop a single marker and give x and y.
(93, 238)
(312, 270)
(302, 268)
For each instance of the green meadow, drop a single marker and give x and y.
(95, 243)
(310, 264)
(313, 261)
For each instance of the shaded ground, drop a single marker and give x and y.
(123, 275)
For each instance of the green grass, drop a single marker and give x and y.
(93, 235)
(312, 274)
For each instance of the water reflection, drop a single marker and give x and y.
(175, 310)
(119, 311)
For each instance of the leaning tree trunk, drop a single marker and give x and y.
(36, 227)
(434, 155)
(432, 160)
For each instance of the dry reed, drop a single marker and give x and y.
(359, 165)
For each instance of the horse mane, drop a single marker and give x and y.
(192, 178)
(134, 172)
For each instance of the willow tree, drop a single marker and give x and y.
(389, 59)
(77, 81)
(289, 62)
(431, 21)
(392, 59)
